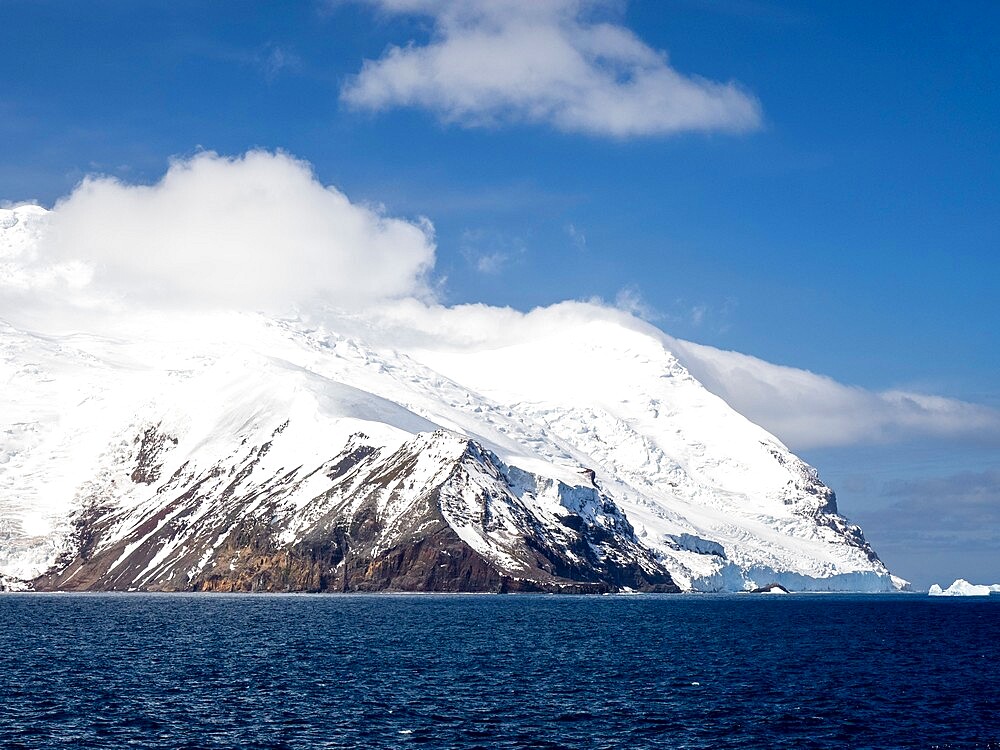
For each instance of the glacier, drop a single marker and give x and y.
(243, 451)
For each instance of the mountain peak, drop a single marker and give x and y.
(590, 460)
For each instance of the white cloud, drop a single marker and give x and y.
(807, 410)
(698, 314)
(274, 59)
(492, 263)
(802, 409)
(630, 300)
(260, 232)
(496, 61)
(490, 251)
(254, 232)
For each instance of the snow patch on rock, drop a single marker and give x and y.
(595, 425)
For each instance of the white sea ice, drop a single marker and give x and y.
(961, 587)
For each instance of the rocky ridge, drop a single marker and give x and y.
(439, 513)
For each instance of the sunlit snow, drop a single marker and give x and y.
(591, 404)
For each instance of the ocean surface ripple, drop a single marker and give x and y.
(302, 671)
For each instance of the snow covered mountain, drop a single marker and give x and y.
(234, 451)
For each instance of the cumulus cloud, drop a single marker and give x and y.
(260, 232)
(253, 232)
(494, 61)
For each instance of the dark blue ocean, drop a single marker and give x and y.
(231, 671)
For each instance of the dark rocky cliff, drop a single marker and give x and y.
(438, 514)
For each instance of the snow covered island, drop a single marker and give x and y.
(565, 450)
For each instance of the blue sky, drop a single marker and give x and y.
(853, 230)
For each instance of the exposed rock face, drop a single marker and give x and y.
(440, 513)
(771, 588)
(152, 443)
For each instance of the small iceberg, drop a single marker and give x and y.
(771, 588)
(961, 587)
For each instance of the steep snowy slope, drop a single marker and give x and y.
(693, 475)
(234, 451)
(211, 465)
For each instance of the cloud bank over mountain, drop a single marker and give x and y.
(260, 232)
(807, 410)
(490, 62)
